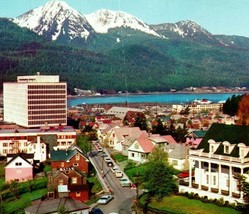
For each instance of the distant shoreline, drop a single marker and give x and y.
(154, 93)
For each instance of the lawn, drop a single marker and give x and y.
(18, 205)
(119, 157)
(182, 205)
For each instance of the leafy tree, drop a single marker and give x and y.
(158, 128)
(141, 123)
(158, 175)
(84, 143)
(243, 111)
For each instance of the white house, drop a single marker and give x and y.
(140, 149)
(220, 157)
(122, 134)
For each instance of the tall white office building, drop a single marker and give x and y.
(35, 101)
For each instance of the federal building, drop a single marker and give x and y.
(35, 101)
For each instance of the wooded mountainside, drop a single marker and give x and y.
(139, 62)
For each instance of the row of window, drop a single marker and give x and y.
(39, 97)
(47, 117)
(47, 112)
(47, 107)
(31, 123)
(62, 86)
(46, 92)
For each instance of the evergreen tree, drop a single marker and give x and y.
(158, 175)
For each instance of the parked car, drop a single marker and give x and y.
(105, 199)
(118, 174)
(107, 159)
(96, 210)
(114, 169)
(109, 163)
(104, 155)
(125, 182)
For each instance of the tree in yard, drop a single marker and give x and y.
(243, 110)
(84, 143)
(141, 123)
(158, 177)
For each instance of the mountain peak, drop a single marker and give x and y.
(56, 19)
(104, 19)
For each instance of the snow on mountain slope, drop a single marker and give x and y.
(103, 20)
(55, 18)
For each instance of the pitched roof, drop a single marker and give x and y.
(51, 140)
(15, 157)
(145, 143)
(131, 132)
(52, 206)
(199, 133)
(178, 151)
(64, 155)
(234, 134)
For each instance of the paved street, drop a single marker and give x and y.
(123, 196)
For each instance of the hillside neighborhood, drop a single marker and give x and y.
(205, 146)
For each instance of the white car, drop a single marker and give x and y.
(125, 182)
(118, 174)
(105, 199)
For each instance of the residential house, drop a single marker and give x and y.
(194, 138)
(52, 206)
(140, 149)
(19, 169)
(222, 155)
(144, 145)
(69, 158)
(177, 155)
(121, 134)
(68, 182)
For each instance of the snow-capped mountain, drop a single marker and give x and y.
(56, 19)
(187, 30)
(103, 20)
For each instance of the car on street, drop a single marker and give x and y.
(125, 182)
(114, 169)
(105, 199)
(107, 159)
(96, 210)
(104, 155)
(118, 174)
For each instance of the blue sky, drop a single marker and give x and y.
(229, 17)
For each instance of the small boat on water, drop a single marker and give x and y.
(202, 101)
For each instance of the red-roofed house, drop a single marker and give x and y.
(140, 149)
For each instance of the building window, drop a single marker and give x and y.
(174, 162)
(132, 154)
(212, 149)
(19, 171)
(207, 177)
(78, 194)
(226, 150)
(214, 180)
(77, 157)
(74, 180)
(60, 182)
(18, 163)
(75, 164)
(62, 164)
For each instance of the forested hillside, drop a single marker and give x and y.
(117, 61)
